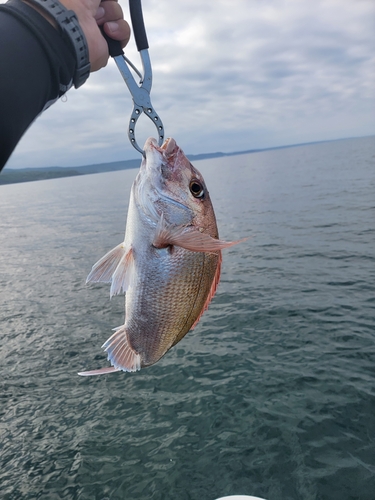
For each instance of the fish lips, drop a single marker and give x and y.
(162, 159)
(164, 166)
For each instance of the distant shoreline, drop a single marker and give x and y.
(13, 176)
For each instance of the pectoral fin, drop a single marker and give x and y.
(188, 238)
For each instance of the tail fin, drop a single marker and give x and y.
(101, 371)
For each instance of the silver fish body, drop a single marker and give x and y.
(169, 262)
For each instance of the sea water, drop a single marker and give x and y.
(271, 395)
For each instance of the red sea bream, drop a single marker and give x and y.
(169, 262)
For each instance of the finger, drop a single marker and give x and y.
(118, 30)
(108, 10)
(110, 16)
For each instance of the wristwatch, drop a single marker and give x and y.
(71, 31)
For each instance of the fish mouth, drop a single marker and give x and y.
(160, 161)
(168, 149)
(161, 165)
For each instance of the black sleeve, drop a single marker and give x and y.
(36, 68)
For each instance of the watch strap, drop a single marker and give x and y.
(71, 30)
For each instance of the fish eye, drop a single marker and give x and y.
(196, 189)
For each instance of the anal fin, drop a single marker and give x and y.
(120, 353)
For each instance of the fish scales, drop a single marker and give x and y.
(168, 303)
(169, 262)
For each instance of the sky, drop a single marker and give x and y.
(228, 75)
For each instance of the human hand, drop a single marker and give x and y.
(93, 13)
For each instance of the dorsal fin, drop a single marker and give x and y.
(210, 296)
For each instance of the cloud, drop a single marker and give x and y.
(228, 75)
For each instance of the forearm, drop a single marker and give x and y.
(36, 67)
(38, 63)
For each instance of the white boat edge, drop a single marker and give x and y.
(239, 497)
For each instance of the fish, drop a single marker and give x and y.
(168, 264)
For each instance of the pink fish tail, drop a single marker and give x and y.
(101, 371)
